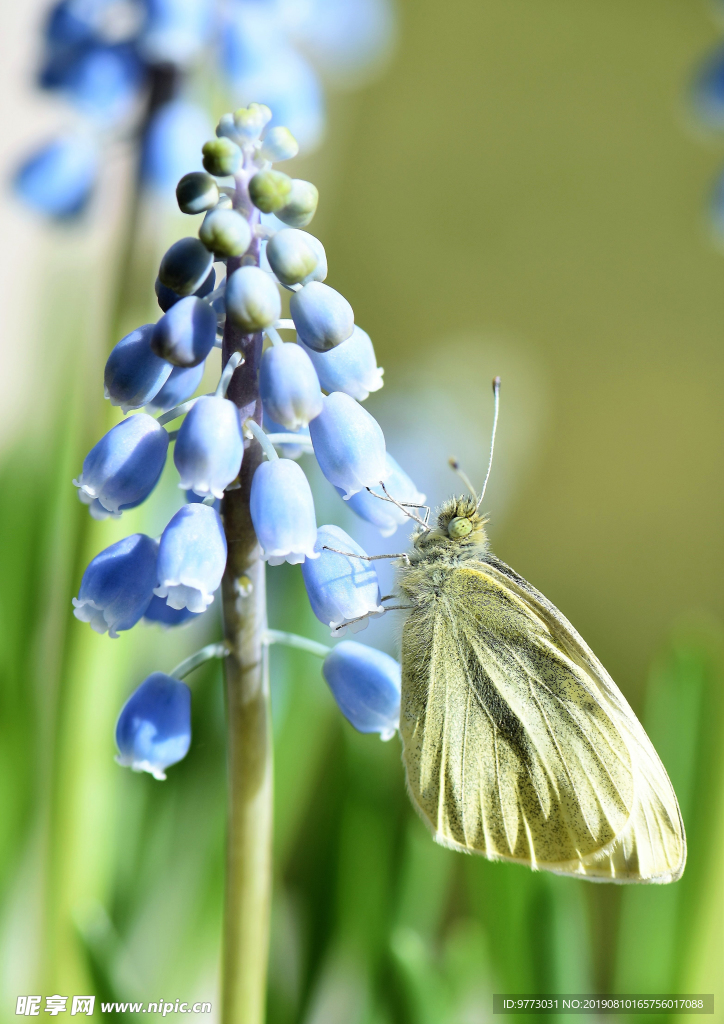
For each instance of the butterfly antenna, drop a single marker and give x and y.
(455, 467)
(496, 396)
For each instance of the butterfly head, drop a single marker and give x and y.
(460, 529)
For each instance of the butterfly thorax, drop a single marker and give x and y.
(458, 536)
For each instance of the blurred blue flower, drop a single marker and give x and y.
(118, 585)
(103, 58)
(366, 686)
(341, 588)
(58, 178)
(154, 726)
(172, 146)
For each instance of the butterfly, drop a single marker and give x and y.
(517, 744)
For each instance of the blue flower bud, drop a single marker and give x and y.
(296, 257)
(197, 192)
(58, 179)
(185, 266)
(252, 299)
(383, 514)
(366, 686)
(186, 333)
(179, 387)
(322, 317)
(133, 373)
(289, 451)
(282, 511)
(159, 611)
(301, 205)
(350, 367)
(341, 588)
(209, 446)
(124, 467)
(225, 232)
(154, 726)
(167, 298)
(289, 386)
(279, 144)
(117, 586)
(191, 558)
(349, 444)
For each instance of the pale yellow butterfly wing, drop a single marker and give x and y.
(517, 743)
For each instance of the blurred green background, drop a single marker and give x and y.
(522, 193)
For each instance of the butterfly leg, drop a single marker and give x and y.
(368, 558)
(359, 618)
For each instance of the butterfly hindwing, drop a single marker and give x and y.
(517, 743)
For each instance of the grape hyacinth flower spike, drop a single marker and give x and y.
(245, 506)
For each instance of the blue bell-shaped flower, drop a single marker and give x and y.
(282, 511)
(134, 374)
(349, 444)
(154, 726)
(186, 333)
(350, 366)
(117, 586)
(161, 613)
(341, 588)
(209, 446)
(191, 558)
(384, 514)
(289, 386)
(124, 467)
(366, 686)
(179, 387)
(323, 318)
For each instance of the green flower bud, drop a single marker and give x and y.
(296, 257)
(197, 192)
(225, 232)
(225, 202)
(301, 205)
(279, 144)
(270, 190)
(221, 157)
(185, 266)
(252, 299)
(250, 121)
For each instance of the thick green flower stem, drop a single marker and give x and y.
(250, 764)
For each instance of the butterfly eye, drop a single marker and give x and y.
(459, 527)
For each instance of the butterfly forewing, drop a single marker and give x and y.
(517, 743)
